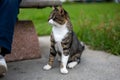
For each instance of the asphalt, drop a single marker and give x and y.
(95, 65)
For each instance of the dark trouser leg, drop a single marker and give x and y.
(8, 15)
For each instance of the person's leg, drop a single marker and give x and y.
(8, 15)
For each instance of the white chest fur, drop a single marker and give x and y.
(59, 34)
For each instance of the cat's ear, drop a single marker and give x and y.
(61, 10)
(53, 7)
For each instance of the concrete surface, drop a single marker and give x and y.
(95, 65)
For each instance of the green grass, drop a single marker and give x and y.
(97, 24)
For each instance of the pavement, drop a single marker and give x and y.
(95, 65)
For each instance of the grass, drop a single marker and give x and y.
(97, 24)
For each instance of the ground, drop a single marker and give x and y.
(95, 65)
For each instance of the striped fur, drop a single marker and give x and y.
(63, 41)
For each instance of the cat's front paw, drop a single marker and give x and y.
(63, 70)
(47, 67)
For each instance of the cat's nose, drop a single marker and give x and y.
(50, 21)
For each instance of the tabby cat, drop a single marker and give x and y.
(64, 41)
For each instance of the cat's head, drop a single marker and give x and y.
(58, 16)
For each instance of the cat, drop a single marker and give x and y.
(64, 41)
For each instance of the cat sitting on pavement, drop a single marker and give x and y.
(64, 41)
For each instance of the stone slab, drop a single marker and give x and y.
(25, 43)
(39, 3)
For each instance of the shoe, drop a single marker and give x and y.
(3, 66)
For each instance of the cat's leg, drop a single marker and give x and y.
(50, 62)
(74, 60)
(66, 43)
(51, 57)
(64, 60)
